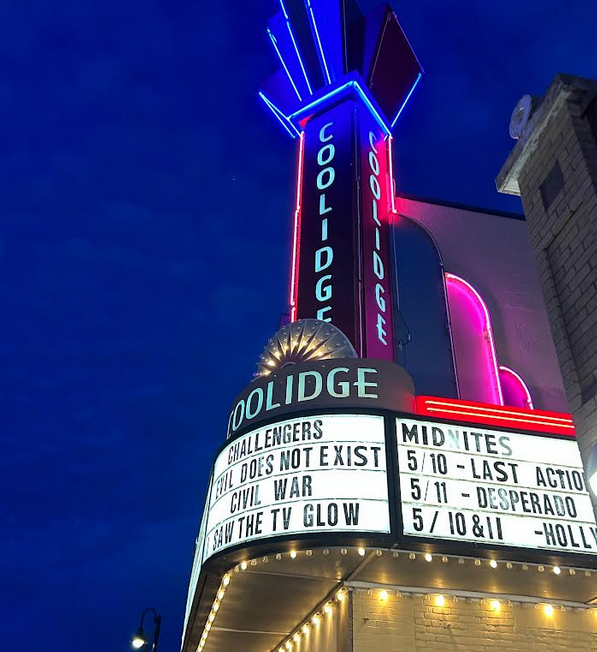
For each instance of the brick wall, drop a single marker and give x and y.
(416, 624)
(562, 218)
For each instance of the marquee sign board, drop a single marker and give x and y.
(322, 473)
(467, 483)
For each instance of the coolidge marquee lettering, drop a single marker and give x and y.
(338, 383)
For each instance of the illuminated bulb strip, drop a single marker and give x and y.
(452, 278)
(495, 603)
(313, 620)
(286, 70)
(215, 607)
(296, 241)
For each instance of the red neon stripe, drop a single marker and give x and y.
(296, 243)
(482, 408)
(539, 420)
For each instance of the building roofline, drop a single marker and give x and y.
(462, 207)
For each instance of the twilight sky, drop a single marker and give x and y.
(145, 212)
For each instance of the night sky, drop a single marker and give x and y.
(145, 214)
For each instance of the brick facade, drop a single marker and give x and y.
(554, 170)
(417, 624)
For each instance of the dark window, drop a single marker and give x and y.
(554, 182)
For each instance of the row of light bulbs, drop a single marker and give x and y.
(215, 607)
(440, 600)
(314, 620)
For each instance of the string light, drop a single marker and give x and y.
(548, 610)
(243, 566)
(362, 552)
(429, 557)
(293, 554)
(440, 600)
(220, 593)
(557, 570)
(383, 595)
(493, 563)
(340, 595)
(496, 605)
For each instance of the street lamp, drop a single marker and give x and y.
(140, 639)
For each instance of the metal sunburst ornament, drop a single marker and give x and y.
(301, 341)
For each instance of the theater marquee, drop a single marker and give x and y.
(333, 452)
(322, 473)
(487, 486)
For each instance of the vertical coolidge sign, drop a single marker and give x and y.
(344, 260)
(344, 81)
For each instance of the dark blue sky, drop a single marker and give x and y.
(145, 210)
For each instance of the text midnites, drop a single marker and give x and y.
(456, 439)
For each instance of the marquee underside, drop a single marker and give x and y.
(268, 600)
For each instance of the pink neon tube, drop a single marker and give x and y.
(516, 393)
(474, 346)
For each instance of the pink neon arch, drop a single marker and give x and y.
(474, 345)
(515, 391)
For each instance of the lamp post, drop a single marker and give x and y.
(140, 639)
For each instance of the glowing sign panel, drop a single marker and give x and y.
(327, 288)
(300, 476)
(489, 486)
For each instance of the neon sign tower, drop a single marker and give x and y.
(344, 80)
(363, 497)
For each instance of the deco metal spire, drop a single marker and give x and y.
(327, 48)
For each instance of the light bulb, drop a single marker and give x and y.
(548, 610)
(429, 557)
(440, 601)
